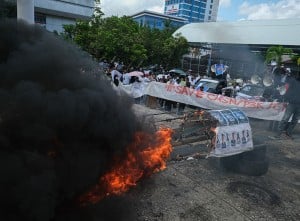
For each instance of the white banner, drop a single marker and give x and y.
(172, 8)
(254, 109)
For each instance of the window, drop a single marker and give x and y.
(40, 18)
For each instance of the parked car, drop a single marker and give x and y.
(210, 85)
(252, 92)
(229, 91)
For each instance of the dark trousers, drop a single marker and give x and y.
(292, 110)
(168, 105)
(180, 109)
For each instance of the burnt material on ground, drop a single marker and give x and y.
(254, 193)
(197, 188)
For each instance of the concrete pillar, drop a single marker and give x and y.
(25, 10)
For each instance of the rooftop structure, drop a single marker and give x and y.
(257, 33)
(157, 20)
(237, 44)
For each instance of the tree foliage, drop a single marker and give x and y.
(122, 39)
(8, 9)
(275, 53)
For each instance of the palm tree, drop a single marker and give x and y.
(275, 53)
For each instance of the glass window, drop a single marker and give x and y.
(40, 18)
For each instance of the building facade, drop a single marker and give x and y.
(193, 10)
(53, 14)
(157, 20)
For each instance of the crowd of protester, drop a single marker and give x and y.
(120, 74)
(281, 81)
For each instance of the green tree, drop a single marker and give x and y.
(110, 38)
(8, 9)
(162, 47)
(275, 53)
(122, 39)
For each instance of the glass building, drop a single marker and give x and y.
(157, 20)
(193, 10)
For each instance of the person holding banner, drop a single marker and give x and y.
(181, 106)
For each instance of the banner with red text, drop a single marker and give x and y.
(205, 100)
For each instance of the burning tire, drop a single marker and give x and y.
(245, 166)
(258, 153)
(253, 168)
(229, 163)
(252, 163)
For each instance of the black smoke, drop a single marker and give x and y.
(61, 123)
(242, 61)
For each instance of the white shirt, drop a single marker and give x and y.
(114, 73)
(126, 78)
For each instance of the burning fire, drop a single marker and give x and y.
(137, 164)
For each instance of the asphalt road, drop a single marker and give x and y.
(200, 189)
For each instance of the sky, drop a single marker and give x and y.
(229, 10)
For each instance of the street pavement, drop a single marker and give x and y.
(194, 187)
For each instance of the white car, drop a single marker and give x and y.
(251, 92)
(211, 85)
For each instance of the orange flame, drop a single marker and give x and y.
(138, 164)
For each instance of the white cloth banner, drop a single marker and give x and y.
(190, 96)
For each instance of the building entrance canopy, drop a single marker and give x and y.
(284, 32)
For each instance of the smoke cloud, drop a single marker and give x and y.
(60, 127)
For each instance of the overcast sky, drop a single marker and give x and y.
(229, 10)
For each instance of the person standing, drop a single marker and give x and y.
(280, 77)
(126, 78)
(181, 106)
(115, 74)
(137, 90)
(116, 80)
(285, 128)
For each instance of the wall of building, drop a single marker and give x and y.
(153, 22)
(54, 23)
(193, 10)
(66, 8)
(59, 12)
(156, 20)
(212, 7)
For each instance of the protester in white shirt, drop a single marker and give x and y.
(114, 73)
(126, 78)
